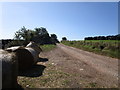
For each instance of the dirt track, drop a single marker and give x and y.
(87, 69)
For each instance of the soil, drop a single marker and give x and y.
(86, 68)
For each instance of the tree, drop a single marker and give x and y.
(41, 31)
(24, 34)
(110, 37)
(42, 36)
(38, 35)
(20, 34)
(64, 39)
(54, 38)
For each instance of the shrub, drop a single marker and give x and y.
(15, 43)
(104, 47)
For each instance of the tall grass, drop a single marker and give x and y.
(105, 47)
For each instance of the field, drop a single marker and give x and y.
(104, 47)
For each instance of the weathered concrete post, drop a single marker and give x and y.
(0, 68)
(34, 46)
(16, 59)
(34, 49)
(27, 56)
(9, 69)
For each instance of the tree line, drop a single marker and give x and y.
(23, 36)
(110, 37)
(38, 35)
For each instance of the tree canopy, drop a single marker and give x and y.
(110, 37)
(64, 39)
(38, 35)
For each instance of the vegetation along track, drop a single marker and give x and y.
(69, 67)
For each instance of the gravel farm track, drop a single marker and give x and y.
(84, 69)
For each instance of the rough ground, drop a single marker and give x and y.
(73, 68)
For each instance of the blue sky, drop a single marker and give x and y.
(74, 20)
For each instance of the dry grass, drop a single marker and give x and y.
(44, 75)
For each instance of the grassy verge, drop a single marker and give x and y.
(47, 47)
(104, 47)
(50, 78)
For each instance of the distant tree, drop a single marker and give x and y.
(64, 39)
(54, 38)
(89, 38)
(24, 34)
(42, 36)
(103, 38)
(38, 35)
(41, 31)
(17, 35)
(110, 37)
(118, 37)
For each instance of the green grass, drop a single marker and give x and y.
(92, 85)
(47, 47)
(105, 47)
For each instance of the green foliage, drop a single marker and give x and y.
(64, 39)
(113, 37)
(92, 85)
(54, 38)
(38, 35)
(41, 31)
(47, 47)
(15, 43)
(105, 47)
(24, 34)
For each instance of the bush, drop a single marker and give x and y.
(15, 43)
